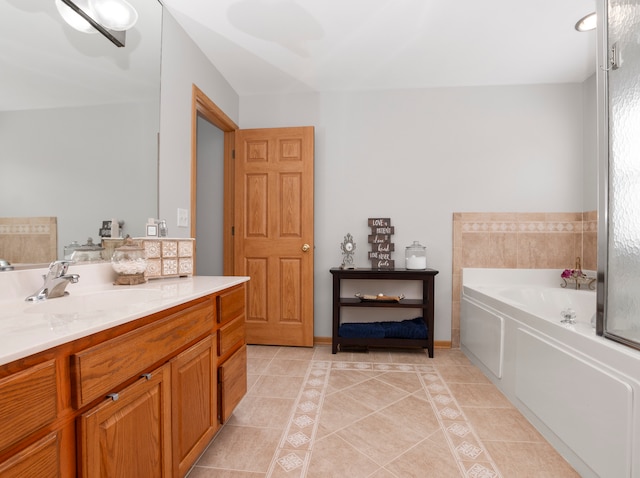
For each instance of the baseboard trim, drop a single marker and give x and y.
(442, 344)
(437, 344)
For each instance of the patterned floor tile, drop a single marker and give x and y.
(310, 413)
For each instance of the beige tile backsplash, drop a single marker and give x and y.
(519, 241)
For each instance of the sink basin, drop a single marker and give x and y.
(95, 301)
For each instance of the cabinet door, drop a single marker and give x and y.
(232, 375)
(129, 435)
(194, 403)
(40, 460)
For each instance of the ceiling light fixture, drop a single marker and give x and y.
(110, 17)
(116, 15)
(587, 23)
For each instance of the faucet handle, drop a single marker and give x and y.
(59, 268)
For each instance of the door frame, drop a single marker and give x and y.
(201, 105)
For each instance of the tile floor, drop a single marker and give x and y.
(381, 414)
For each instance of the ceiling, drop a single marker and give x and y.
(283, 46)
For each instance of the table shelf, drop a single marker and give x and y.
(404, 303)
(426, 304)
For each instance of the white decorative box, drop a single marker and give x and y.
(168, 257)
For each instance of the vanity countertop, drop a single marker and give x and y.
(27, 328)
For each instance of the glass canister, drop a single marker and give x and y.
(130, 263)
(87, 252)
(70, 249)
(415, 256)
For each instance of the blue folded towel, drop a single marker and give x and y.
(405, 329)
(372, 330)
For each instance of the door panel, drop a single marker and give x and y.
(257, 304)
(257, 199)
(290, 279)
(274, 221)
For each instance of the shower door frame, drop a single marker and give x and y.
(604, 65)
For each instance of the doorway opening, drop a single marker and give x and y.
(209, 198)
(207, 114)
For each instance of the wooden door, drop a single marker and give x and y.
(129, 435)
(273, 236)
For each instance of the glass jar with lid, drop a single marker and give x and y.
(130, 263)
(70, 249)
(415, 256)
(86, 252)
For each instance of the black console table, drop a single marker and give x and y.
(427, 277)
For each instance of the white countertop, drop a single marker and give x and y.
(27, 328)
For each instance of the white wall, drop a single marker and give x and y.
(417, 156)
(183, 64)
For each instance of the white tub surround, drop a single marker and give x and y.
(579, 390)
(94, 304)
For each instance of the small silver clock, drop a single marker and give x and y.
(348, 248)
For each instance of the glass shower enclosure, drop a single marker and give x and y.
(619, 151)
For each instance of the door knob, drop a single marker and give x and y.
(305, 247)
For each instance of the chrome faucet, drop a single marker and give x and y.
(55, 282)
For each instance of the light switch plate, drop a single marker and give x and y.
(183, 217)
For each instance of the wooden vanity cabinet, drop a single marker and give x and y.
(143, 399)
(158, 426)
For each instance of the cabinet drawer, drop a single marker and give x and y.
(232, 375)
(97, 370)
(39, 460)
(231, 304)
(27, 402)
(230, 334)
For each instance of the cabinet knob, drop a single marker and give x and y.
(146, 375)
(306, 247)
(113, 396)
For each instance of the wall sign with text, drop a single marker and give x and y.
(381, 245)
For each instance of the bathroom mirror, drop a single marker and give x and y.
(79, 121)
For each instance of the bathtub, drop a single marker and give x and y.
(578, 389)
